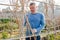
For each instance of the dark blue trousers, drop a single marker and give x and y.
(32, 38)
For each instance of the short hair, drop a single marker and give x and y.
(32, 4)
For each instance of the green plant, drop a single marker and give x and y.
(58, 36)
(4, 20)
(4, 35)
(51, 37)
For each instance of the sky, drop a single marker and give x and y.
(57, 2)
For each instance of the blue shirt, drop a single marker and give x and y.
(36, 21)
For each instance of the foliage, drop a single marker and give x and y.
(4, 35)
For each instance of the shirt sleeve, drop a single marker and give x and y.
(24, 23)
(42, 23)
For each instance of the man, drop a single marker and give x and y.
(36, 21)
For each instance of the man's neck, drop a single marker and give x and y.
(33, 12)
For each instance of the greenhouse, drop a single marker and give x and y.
(12, 14)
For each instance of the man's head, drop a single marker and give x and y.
(33, 7)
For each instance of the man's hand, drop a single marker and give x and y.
(34, 31)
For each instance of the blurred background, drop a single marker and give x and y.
(12, 13)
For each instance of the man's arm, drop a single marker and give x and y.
(24, 23)
(42, 23)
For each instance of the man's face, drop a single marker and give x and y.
(33, 8)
